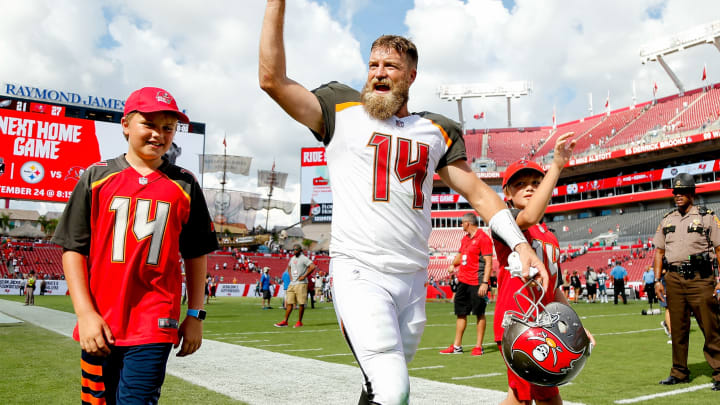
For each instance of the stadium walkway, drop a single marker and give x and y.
(258, 377)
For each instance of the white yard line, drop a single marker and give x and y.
(476, 376)
(233, 370)
(663, 394)
(274, 332)
(610, 315)
(334, 355)
(425, 368)
(628, 332)
(304, 350)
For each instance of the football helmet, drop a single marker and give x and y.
(545, 345)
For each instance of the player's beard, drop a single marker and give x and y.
(384, 106)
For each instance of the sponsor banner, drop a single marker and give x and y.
(59, 96)
(694, 168)
(315, 192)
(230, 290)
(52, 287)
(42, 156)
(11, 286)
(611, 182)
(245, 290)
(637, 178)
(230, 164)
(318, 212)
(313, 157)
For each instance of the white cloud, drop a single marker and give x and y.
(567, 49)
(206, 54)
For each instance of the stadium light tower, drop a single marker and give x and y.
(699, 35)
(457, 92)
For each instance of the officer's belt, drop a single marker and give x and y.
(679, 269)
(688, 270)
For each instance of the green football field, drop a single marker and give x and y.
(39, 366)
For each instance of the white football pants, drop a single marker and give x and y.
(383, 317)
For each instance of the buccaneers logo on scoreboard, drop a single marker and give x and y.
(74, 173)
(546, 350)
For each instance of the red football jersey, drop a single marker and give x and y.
(134, 229)
(548, 250)
(472, 250)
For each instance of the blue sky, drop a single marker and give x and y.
(379, 17)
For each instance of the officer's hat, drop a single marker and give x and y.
(683, 182)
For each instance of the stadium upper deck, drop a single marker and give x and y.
(694, 111)
(623, 164)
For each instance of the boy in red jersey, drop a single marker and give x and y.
(528, 190)
(124, 229)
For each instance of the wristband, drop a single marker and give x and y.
(197, 313)
(503, 225)
(484, 282)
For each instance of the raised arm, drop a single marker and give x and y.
(295, 99)
(533, 213)
(488, 205)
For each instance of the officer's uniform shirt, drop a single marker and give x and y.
(682, 242)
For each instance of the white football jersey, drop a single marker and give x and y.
(381, 175)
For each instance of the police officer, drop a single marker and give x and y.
(684, 240)
(30, 289)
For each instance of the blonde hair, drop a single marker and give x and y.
(402, 45)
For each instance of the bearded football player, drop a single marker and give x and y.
(381, 160)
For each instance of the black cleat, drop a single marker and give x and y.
(716, 386)
(672, 380)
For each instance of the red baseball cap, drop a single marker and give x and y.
(522, 164)
(153, 99)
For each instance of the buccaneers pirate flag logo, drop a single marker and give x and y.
(546, 350)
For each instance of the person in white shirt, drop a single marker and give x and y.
(381, 160)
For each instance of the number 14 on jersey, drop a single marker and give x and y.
(403, 167)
